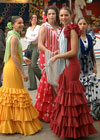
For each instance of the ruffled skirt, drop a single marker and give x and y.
(70, 117)
(45, 99)
(17, 114)
(91, 84)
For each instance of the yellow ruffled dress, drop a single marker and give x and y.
(17, 114)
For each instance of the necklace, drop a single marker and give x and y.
(85, 42)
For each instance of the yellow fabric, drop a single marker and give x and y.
(17, 114)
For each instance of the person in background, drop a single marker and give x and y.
(44, 16)
(70, 117)
(48, 40)
(91, 32)
(2, 46)
(88, 64)
(17, 114)
(32, 37)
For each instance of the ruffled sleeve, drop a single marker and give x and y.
(70, 27)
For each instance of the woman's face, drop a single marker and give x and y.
(43, 14)
(18, 25)
(51, 16)
(83, 25)
(34, 19)
(64, 17)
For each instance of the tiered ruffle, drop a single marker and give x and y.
(70, 117)
(91, 83)
(45, 99)
(17, 114)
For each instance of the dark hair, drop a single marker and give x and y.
(13, 19)
(2, 23)
(92, 56)
(81, 19)
(66, 8)
(30, 17)
(57, 13)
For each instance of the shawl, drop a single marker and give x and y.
(54, 70)
(63, 43)
(8, 50)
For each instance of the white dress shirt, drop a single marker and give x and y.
(32, 35)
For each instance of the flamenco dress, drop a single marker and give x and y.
(89, 79)
(45, 93)
(70, 117)
(17, 114)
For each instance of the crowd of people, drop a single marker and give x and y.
(66, 107)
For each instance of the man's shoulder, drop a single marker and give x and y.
(1, 32)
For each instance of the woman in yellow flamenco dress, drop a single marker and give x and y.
(17, 114)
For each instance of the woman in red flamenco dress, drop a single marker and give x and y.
(48, 39)
(70, 117)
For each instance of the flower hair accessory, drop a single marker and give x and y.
(9, 25)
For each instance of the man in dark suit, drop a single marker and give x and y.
(2, 45)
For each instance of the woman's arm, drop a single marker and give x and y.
(74, 47)
(41, 39)
(14, 50)
(95, 66)
(93, 58)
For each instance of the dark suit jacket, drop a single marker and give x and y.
(2, 50)
(2, 43)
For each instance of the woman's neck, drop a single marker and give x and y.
(83, 35)
(66, 24)
(83, 32)
(53, 26)
(16, 31)
(33, 26)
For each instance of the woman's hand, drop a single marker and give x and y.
(25, 77)
(27, 61)
(95, 69)
(53, 59)
(56, 52)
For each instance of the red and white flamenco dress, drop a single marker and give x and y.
(45, 93)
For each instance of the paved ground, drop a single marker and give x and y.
(46, 133)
